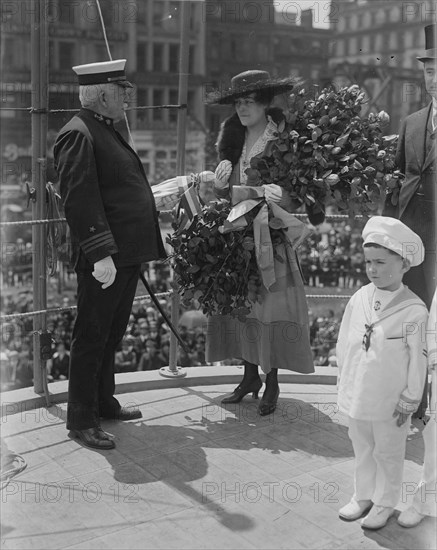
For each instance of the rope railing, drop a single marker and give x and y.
(60, 309)
(329, 217)
(145, 297)
(31, 110)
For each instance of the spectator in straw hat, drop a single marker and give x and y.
(113, 221)
(416, 158)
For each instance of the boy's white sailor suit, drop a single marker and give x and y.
(373, 382)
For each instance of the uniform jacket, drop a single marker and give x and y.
(392, 371)
(108, 202)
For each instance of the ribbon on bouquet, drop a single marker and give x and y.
(246, 198)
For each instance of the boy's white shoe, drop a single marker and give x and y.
(377, 517)
(410, 517)
(355, 509)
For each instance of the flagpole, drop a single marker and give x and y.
(173, 370)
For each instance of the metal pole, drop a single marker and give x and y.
(173, 370)
(39, 41)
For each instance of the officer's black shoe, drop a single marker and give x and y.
(94, 437)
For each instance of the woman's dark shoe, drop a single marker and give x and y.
(242, 390)
(267, 406)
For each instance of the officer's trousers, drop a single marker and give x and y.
(102, 318)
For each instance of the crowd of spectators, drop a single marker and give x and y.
(330, 257)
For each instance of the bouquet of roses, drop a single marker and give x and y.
(324, 154)
(216, 269)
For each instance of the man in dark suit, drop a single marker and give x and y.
(114, 228)
(416, 158)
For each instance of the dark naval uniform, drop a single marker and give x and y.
(111, 211)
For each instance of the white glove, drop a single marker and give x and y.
(222, 174)
(206, 177)
(272, 192)
(105, 271)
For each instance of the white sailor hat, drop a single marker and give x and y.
(106, 72)
(396, 236)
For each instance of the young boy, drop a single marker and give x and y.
(382, 367)
(425, 499)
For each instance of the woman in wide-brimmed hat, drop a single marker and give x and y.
(276, 332)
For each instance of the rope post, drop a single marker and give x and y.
(174, 371)
(40, 85)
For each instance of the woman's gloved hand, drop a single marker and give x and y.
(272, 192)
(222, 174)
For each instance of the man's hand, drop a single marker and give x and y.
(272, 192)
(401, 414)
(105, 271)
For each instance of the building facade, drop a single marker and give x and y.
(146, 33)
(248, 34)
(375, 44)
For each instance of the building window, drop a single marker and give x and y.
(66, 54)
(378, 43)
(173, 16)
(158, 57)
(173, 58)
(9, 48)
(165, 163)
(191, 64)
(100, 51)
(141, 13)
(142, 101)
(263, 51)
(158, 99)
(395, 14)
(107, 13)
(158, 13)
(233, 45)
(141, 56)
(173, 100)
(52, 55)
(339, 50)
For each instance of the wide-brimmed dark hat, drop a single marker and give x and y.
(251, 81)
(430, 44)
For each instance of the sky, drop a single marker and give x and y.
(321, 10)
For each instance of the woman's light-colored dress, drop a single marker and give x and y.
(276, 332)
